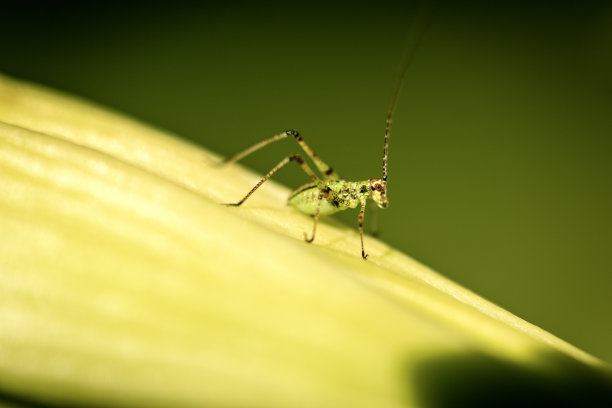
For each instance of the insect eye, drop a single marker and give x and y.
(378, 187)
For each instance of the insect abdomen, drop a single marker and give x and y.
(305, 199)
(338, 195)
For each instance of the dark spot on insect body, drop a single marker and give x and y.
(335, 203)
(325, 192)
(363, 189)
(329, 171)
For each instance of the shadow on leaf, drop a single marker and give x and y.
(478, 380)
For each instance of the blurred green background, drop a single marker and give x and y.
(501, 151)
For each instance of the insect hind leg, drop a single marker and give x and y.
(294, 157)
(253, 148)
(327, 172)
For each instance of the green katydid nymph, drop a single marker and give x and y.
(329, 193)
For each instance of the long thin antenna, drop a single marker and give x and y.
(417, 31)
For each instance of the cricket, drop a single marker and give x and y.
(329, 193)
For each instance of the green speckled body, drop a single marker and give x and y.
(337, 195)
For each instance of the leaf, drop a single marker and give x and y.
(124, 282)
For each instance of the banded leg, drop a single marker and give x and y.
(283, 163)
(253, 148)
(327, 172)
(316, 220)
(361, 215)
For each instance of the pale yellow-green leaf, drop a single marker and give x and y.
(124, 282)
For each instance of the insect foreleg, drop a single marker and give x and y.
(361, 215)
(283, 163)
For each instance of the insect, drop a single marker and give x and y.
(330, 193)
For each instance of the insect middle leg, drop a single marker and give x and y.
(294, 157)
(324, 193)
(316, 219)
(327, 172)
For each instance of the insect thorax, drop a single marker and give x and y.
(337, 195)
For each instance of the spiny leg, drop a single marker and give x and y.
(253, 148)
(327, 171)
(316, 220)
(283, 163)
(361, 215)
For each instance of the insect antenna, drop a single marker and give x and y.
(417, 31)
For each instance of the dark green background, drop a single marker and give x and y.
(501, 151)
